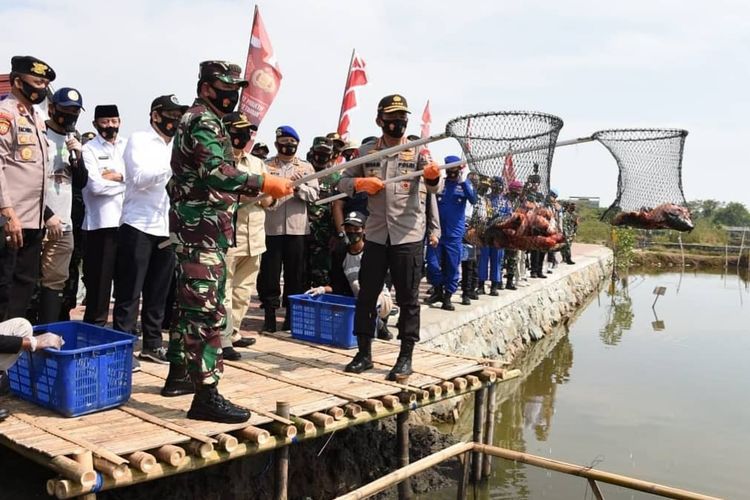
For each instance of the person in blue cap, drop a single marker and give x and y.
(67, 172)
(444, 260)
(491, 258)
(286, 227)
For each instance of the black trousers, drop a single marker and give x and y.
(537, 261)
(282, 251)
(98, 272)
(142, 268)
(19, 274)
(405, 263)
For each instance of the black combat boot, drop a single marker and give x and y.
(481, 290)
(465, 299)
(269, 325)
(208, 404)
(383, 332)
(493, 289)
(500, 283)
(230, 354)
(447, 305)
(50, 303)
(402, 368)
(436, 296)
(509, 284)
(178, 382)
(363, 359)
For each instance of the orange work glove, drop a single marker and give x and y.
(369, 185)
(277, 187)
(431, 171)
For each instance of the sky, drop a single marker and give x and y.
(597, 65)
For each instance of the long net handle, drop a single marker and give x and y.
(460, 163)
(361, 160)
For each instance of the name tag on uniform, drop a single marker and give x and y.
(106, 157)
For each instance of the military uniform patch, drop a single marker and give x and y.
(22, 121)
(27, 153)
(4, 126)
(25, 139)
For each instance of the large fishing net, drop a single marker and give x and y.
(649, 186)
(516, 146)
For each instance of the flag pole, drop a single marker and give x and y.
(346, 86)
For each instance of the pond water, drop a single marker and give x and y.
(658, 394)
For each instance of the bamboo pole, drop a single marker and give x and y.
(170, 454)
(144, 462)
(399, 475)
(447, 386)
(166, 424)
(200, 449)
(435, 391)
(115, 471)
(473, 381)
(336, 412)
(321, 419)
(373, 405)
(72, 470)
(463, 480)
(86, 460)
(596, 475)
(479, 417)
(352, 410)
(460, 383)
(254, 435)
(391, 402)
(283, 430)
(489, 429)
(303, 425)
(227, 442)
(402, 440)
(282, 459)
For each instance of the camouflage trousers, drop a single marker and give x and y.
(199, 315)
(511, 263)
(318, 260)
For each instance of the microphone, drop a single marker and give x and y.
(70, 133)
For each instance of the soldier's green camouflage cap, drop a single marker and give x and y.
(222, 70)
(322, 143)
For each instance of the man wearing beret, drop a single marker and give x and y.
(395, 231)
(67, 172)
(103, 196)
(286, 228)
(145, 265)
(23, 183)
(203, 192)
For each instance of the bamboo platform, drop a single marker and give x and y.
(150, 437)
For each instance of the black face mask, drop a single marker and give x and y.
(452, 174)
(353, 238)
(108, 133)
(66, 121)
(167, 126)
(286, 149)
(320, 159)
(33, 94)
(231, 96)
(394, 128)
(240, 138)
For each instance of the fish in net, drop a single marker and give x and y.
(515, 147)
(649, 185)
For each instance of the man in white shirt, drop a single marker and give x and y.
(103, 197)
(144, 265)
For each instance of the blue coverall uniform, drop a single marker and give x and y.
(492, 258)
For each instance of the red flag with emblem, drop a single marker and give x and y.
(4, 86)
(261, 71)
(509, 173)
(426, 120)
(356, 77)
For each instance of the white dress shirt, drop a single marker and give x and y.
(147, 170)
(102, 197)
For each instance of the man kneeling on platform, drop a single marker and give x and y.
(345, 264)
(16, 335)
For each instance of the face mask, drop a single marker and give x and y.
(108, 133)
(240, 138)
(353, 238)
(452, 174)
(394, 128)
(286, 149)
(320, 159)
(33, 94)
(167, 126)
(225, 100)
(65, 120)
(349, 154)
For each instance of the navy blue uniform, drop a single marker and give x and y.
(444, 260)
(490, 257)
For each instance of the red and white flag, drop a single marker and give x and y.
(509, 173)
(426, 120)
(357, 77)
(262, 71)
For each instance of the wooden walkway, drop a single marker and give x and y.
(150, 437)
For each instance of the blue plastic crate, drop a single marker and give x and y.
(92, 371)
(325, 319)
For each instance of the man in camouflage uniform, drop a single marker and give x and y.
(322, 228)
(203, 192)
(569, 229)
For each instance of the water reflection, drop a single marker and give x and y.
(619, 318)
